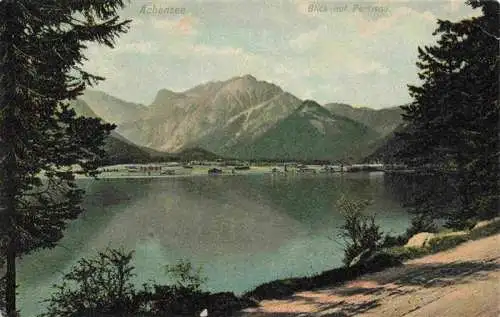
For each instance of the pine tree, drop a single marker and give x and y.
(41, 139)
(452, 125)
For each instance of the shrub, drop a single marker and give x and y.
(380, 261)
(488, 230)
(359, 231)
(184, 297)
(166, 300)
(421, 223)
(446, 242)
(186, 275)
(394, 241)
(407, 253)
(96, 286)
(101, 286)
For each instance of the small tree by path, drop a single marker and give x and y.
(361, 235)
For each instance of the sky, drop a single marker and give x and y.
(359, 52)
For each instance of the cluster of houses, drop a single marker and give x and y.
(301, 168)
(173, 168)
(144, 168)
(221, 167)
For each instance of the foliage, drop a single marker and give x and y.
(451, 128)
(359, 231)
(186, 275)
(97, 286)
(40, 136)
(392, 241)
(407, 253)
(488, 230)
(379, 261)
(102, 286)
(172, 300)
(184, 297)
(441, 243)
(444, 241)
(421, 223)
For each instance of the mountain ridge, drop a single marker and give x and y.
(110, 108)
(120, 150)
(383, 120)
(200, 116)
(225, 117)
(311, 132)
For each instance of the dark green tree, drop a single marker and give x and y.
(41, 139)
(452, 125)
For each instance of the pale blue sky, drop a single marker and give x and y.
(338, 55)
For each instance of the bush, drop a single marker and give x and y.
(167, 300)
(394, 241)
(446, 242)
(360, 233)
(407, 253)
(421, 223)
(186, 275)
(488, 230)
(380, 261)
(101, 286)
(97, 286)
(184, 297)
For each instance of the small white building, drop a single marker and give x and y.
(173, 164)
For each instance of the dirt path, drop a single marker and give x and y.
(463, 282)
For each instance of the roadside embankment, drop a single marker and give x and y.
(442, 279)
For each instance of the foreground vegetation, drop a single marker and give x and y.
(102, 286)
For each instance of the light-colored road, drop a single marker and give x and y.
(463, 282)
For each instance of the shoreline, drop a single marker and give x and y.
(226, 175)
(173, 172)
(287, 292)
(429, 284)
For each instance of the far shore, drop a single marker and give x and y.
(166, 170)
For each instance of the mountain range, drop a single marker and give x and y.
(241, 118)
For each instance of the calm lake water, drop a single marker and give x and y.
(243, 230)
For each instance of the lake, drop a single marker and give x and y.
(243, 230)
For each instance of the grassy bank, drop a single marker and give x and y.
(444, 241)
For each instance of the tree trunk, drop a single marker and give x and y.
(463, 190)
(10, 277)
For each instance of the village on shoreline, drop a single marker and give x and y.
(220, 167)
